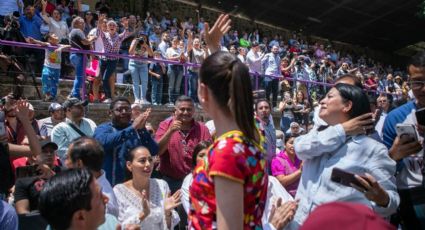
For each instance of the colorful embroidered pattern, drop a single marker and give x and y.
(234, 157)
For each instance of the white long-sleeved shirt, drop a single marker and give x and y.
(322, 151)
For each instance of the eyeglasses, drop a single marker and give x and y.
(417, 85)
(122, 110)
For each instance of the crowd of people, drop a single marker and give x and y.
(356, 150)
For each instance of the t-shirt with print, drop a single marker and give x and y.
(52, 59)
(236, 158)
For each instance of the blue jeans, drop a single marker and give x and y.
(193, 85)
(107, 68)
(285, 123)
(50, 81)
(156, 92)
(139, 74)
(175, 77)
(77, 62)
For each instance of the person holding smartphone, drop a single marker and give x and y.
(408, 152)
(358, 154)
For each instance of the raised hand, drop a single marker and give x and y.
(172, 201)
(213, 35)
(22, 110)
(140, 121)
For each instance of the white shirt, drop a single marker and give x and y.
(60, 28)
(130, 206)
(325, 150)
(253, 59)
(112, 205)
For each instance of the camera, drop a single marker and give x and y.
(140, 40)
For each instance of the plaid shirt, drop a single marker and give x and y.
(112, 44)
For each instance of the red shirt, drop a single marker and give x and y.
(371, 84)
(236, 158)
(176, 162)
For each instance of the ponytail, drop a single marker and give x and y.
(240, 101)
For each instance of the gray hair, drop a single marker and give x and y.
(75, 20)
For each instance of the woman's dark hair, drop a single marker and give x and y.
(359, 99)
(293, 135)
(229, 80)
(198, 148)
(63, 195)
(130, 158)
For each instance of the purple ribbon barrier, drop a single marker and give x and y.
(257, 75)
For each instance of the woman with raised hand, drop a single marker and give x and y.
(352, 151)
(143, 200)
(229, 188)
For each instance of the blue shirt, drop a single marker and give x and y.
(31, 27)
(117, 142)
(271, 63)
(8, 217)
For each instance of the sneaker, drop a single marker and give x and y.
(155, 103)
(169, 104)
(107, 101)
(137, 101)
(144, 102)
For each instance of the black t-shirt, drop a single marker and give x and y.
(75, 38)
(6, 173)
(29, 188)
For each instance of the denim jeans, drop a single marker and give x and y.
(193, 85)
(175, 77)
(285, 123)
(156, 92)
(50, 81)
(77, 62)
(139, 75)
(107, 68)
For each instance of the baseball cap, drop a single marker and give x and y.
(74, 101)
(48, 142)
(55, 106)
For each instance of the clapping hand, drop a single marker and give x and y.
(140, 121)
(145, 205)
(22, 110)
(172, 201)
(282, 214)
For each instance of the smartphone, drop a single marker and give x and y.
(27, 171)
(343, 177)
(420, 116)
(2, 124)
(407, 130)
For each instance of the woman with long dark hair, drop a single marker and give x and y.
(229, 189)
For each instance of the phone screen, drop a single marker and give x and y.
(420, 116)
(345, 178)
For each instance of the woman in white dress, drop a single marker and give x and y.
(144, 200)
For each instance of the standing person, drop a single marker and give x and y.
(253, 60)
(120, 135)
(111, 44)
(407, 152)
(177, 137)
(196, 55)
(175, 72)
(384, 107)
(74, 126)
(56, 24)
(286, 166)
(271, 64)
(139, 69)
(286, 107)
(222, 194)
(263, 111)
(52, 66)
(301, 109)
(99, 47)
(157, 71)
(57, 115)
(78, 40)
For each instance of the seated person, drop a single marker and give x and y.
(31, 179)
